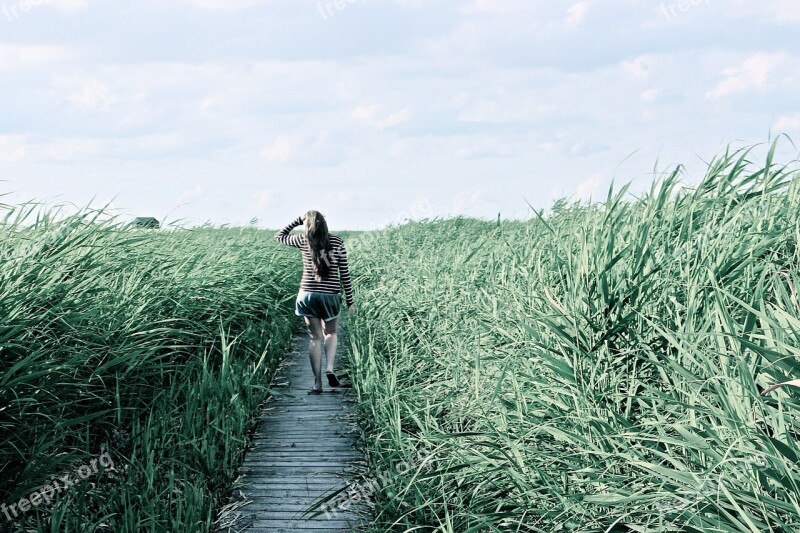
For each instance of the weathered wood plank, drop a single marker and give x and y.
(303, 448)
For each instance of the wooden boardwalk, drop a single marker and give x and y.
(302, 451)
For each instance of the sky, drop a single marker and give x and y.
(376, 111)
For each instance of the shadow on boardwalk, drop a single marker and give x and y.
(303, 450)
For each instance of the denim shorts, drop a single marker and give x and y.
(318, 305)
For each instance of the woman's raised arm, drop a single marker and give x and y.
(283, 236)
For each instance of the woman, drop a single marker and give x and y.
(325, 271)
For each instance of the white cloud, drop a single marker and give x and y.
(779, 11)
(13, 56)
(339, 198)
(225, 5)
(752, 73)
(587, 189)
(503, 105)
(93, 94)
(576, 14)
(586, 147)
(496, 6)
(264, 198)
(787, 123)
(649, 96)
(279, 151)
(502, 96)
(548, 147)
(305, 148)
(69, 6)
(17, 149)
(573, 145)
(484, 147)
(468, 201)
(419, 209)
(193, 194)
(365, 113)
(786, 11)
(395, 119)
(82, 149)
(68, 149)
(370, 114)
(12, 148)
(638, 68)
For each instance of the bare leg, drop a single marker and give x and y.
(315, 336)
(331, 339)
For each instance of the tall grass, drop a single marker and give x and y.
(155, 347)
(599, 368)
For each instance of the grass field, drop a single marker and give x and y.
(148, 349)
(595, 369)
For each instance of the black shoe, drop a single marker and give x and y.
(333, 381)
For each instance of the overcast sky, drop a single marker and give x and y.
(376, 110)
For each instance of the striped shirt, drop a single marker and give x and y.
(339, 273)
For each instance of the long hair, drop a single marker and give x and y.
(320, 243)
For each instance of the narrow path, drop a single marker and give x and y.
(302, 451)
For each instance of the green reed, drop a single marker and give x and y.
(597, 368)
(156, 347)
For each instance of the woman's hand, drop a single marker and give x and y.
(351, 308)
